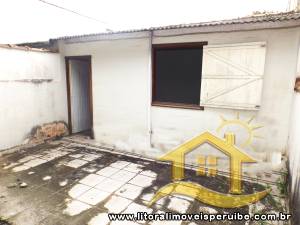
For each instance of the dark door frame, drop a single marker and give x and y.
(88, 59)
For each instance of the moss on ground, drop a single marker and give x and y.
(4, 221)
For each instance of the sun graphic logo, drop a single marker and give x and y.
(245, 131)
(235, 198)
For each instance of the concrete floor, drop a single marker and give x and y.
(71, 183)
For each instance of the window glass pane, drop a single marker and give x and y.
(178, 75)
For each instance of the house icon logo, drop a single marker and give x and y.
(234, 198)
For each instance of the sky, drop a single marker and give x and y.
(33, 20)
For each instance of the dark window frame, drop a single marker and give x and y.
(155, 47)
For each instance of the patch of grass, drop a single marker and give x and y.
(282, 185)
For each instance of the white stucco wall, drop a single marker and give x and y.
(173, 126)
(294, 160)
(32, 92)
(294, 153)
(294, 146)
(120, 90)
(122, 84)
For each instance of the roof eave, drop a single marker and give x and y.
(173, 31)
(231, 27)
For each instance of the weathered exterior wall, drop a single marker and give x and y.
(32, 93)
(172, 126)
(294, 150)
(122, 85)
(121, 94)
(294, 158)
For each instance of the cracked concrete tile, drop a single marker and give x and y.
(206, 209)
(48, 157)
(54, 154)
(89, 169)
(100, 219)
(141, 180)
(47, 178)
(76, 163)
(61, 152)
(149, 173)
(93, 196)
(109, 185)
(92, 166)
(119, 164)
(74, 176)
(68, 149)
(10, 165)
(90, 157)
(158, 204)
(133, 167)
(107, 171)
(92, 180)
(123, 175)
(178, 204)
(38, 155)
(63, 183)
(27, 158)
(116, 204)
(75, 207)
(148, 196)
(37, 199)
(129, 191)
(134, 208)
(78, 190)
(20, 168)
(76, 156)
(35, 162)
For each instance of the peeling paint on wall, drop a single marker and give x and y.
(48, 131)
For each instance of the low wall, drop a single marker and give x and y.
(32, 93)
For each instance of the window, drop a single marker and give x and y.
(177, 70)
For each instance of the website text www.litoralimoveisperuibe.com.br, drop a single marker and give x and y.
(168, 216)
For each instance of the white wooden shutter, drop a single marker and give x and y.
(232, 75)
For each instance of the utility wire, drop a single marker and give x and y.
(77, 13)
